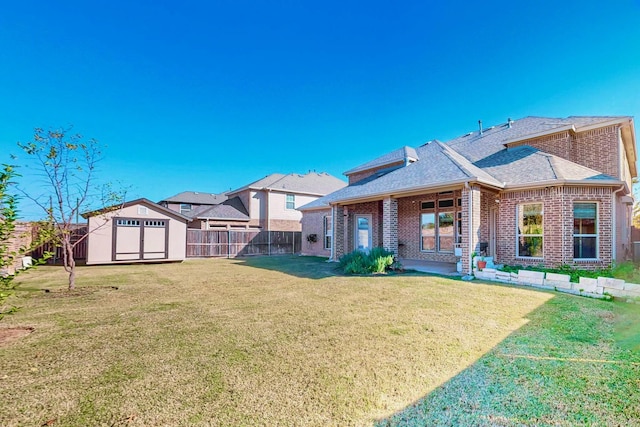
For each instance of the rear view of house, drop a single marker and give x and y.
(533, 191)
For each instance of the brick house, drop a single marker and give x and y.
(532, 191)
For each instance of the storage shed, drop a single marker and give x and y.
(136, 231)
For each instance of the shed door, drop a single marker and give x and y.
(140, 239)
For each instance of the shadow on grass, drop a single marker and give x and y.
(307, 267)
(561, 368)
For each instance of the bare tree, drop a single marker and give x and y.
(67, 164)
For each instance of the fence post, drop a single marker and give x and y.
(228, 244)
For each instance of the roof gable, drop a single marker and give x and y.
(142, 201)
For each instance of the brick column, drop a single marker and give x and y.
(470, 224)
(390, 224)
(338, 232)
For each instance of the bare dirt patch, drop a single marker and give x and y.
(8, 335)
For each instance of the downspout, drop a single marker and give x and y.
(614, 228)
(469, 220)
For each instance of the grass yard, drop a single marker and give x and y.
(285, 341)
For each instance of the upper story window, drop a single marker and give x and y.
(291, 201)
(529, 232)
(585, 231)
(185, 208)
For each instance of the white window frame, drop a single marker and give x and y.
(519, 235)
(292, 201)
(328, 231)
(597, 226)
(435, 231)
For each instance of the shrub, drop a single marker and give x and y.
(378, 260)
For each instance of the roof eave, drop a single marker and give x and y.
(562, 182)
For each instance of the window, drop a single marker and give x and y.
(445, 203)
(428, 231)
(445, 231)
(440, 228)
(128, 222)
(291, 201)
(428, 205)
(185, 208)
(529, 232)
(585, 231)
(459, 227)
(328, 232)
(154, 223)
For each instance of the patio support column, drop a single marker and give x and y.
(390, 225)
(470, 225)
(338, 232)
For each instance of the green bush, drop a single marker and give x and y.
(378, 260)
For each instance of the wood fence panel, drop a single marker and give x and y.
(233, 243)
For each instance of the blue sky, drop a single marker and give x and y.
(211, 95)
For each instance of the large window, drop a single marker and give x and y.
(291, 201)
(428, 231)
(441, 225)
(530, 230)
(585, 231)
(328, 232)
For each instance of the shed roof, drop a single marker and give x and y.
(142, 201)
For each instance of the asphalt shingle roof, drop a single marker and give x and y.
(231, 209)
(196, 198)
(318, 183)
(486, 157)
(399, 155)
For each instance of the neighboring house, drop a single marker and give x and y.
(271, 202)
(532, 191)
(136, 231)
(189, 201)
(208, 211)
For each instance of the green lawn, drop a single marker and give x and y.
(286, 341)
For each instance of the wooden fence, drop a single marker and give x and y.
(79, 252)
(233, 243)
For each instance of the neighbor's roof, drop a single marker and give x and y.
(314, 183)
(487, 158)
(403, 154)
(231, 209)
(196, 198)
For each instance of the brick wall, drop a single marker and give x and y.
(313, 223)
(23, 234)
(409, 238)
(557, 225)
(370, 208)
(597, 149)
